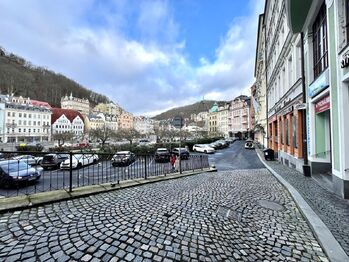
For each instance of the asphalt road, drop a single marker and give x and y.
(236, 157)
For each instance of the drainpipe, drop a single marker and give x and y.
(306, 167)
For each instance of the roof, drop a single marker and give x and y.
(40, 103)
(70, 114)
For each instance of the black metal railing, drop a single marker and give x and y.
(25, 173)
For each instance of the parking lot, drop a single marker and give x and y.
(98, 173)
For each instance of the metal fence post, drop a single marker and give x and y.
(145, 166)
(202, 166)
(71, 172)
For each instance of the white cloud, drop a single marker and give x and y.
(145, 76)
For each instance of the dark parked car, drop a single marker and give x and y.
(183, 152)
(123, 158)
(14, 172)
(53, 160)
(162, 155)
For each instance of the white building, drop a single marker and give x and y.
(143, 125)
(101, 120)
(66, 120)
(223, 114)
(24, 122)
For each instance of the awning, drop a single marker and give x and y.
(297, 11)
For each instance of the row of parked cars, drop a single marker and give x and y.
(211, 148)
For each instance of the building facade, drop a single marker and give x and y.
(143, 125)
(213, 120)
(324, 27)
(284, 86)
(77, 104)
(67, 120)
(239, 116)
(258, 95)
(125, 120)
(24, 122)
(223, 119)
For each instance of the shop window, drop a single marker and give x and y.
(287, 132)
(294, 131)
(320, 47)
(281, 131)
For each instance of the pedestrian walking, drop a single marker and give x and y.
(173, 160)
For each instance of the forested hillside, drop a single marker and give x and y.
(186, 111)
(20, 77)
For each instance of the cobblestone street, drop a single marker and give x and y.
(232, 215)
(333, 210)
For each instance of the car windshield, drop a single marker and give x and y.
(14, 166)
(162, 151)
(48, 158)
(121, 154)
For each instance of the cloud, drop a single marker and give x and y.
(140, 63)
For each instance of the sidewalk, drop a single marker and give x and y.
(333, 210)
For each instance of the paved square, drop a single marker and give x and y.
(233, 215)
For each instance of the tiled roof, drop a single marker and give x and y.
(40, 103)
(70, 114)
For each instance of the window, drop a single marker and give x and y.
(13, 114)
(287, 132)
(20, 114)
(320, 47)
(294, 131)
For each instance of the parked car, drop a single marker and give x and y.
(249, 144)
(203, 148)
(123, 158)
(28, 159)
(217, 145)
(14, 172)
(79, 161)
(183, 152)
(162, 155)
(53, 160)
(225, 143)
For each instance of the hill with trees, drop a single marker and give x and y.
(21, 78)
(186, 111)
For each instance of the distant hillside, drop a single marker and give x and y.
(20, 77)
(186, 111)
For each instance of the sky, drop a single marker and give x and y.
(146, 55)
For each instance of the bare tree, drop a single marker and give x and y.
(102, 134)
(63, 137)
(128, 134)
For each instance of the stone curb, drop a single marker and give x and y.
(328, 242)
(38, 199)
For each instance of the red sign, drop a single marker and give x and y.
(323, 105)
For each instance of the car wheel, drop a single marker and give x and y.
(114, 165)
(205, 151)
(79, 166)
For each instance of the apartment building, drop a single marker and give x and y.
(283, 60)
(125, 120)
(258, 94)
(67, 120)
(78, 104)
(24, 122)
(324, 26)
(239, 116)
(143, 125)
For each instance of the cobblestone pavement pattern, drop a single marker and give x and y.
(208, 217)
(332, 210)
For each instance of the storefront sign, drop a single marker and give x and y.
(319, 84)
(345, 61)
(323, 105)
